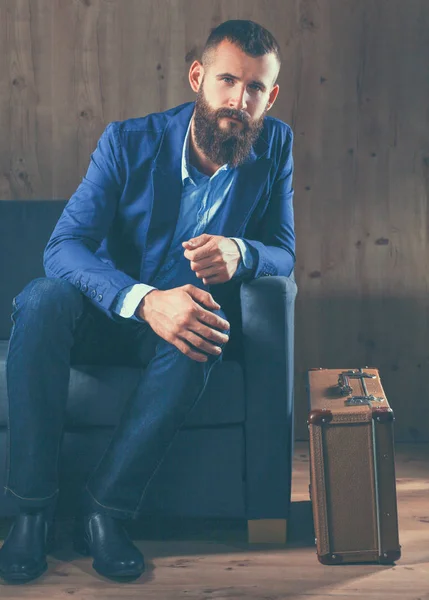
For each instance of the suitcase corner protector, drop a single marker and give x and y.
(319, 416)
(390, 556)
(330, 559)
(383, 415)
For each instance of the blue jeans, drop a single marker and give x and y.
(54, 326)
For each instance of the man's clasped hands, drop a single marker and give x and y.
(178, 315)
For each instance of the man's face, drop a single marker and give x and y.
(234, 92)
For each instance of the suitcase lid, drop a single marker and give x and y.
(347, 395)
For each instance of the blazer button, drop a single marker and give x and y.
(77, 284)
(100, 297)
(84, 287)
(93, 294)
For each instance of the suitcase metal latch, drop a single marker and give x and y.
(346, 388)
(356, 400)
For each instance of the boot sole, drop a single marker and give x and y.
(82, 547)
(21, 577)
(128, 575)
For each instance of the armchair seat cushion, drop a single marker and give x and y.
(97, 395)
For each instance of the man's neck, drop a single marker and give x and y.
(197, 158)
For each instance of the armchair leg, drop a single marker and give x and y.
(267, 531)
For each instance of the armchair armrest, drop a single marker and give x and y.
(267, 309)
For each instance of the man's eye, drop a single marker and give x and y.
(255, 87)
(228, 79)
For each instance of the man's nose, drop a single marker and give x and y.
(239, 99)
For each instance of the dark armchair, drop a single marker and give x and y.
(233, 457)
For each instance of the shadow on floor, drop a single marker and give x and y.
(217, 531)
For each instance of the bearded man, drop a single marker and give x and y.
(174, 206)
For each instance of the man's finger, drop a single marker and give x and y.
(200, 344)
(205, 263)
(217, 278)
(213, 320)
(207, 271)
(201, 296)
(189, 351)
(197, 242)
(200, 253)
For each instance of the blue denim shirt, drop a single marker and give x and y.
(202, 198)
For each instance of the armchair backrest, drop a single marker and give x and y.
(25, 227)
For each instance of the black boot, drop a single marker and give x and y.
(23, 554)
(103, 537)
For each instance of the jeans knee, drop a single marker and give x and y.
(48, 296)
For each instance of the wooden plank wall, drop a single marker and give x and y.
(354, 87)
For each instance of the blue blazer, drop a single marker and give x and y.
(116, 229)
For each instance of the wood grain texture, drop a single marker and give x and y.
(214, 562)
(361, 200)
(354, 87)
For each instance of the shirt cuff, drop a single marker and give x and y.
(246, 264)
(129, 298)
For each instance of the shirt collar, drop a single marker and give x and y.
(187, 168)
(185, 156)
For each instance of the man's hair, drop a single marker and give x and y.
(251, 38)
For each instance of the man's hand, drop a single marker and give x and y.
(214, 258)
(177, 316)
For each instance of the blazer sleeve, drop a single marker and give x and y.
(273, 249)
(85, 222)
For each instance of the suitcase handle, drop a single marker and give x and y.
(346, 389)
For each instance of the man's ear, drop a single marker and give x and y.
(196, 74)
(273, 95)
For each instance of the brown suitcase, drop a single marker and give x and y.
(352, 467)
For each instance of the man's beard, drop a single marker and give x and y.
(230, 145)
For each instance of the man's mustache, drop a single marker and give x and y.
(233, 113)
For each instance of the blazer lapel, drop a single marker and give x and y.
(167, 192)
(249, 183)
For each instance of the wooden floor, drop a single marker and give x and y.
(212, 561)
